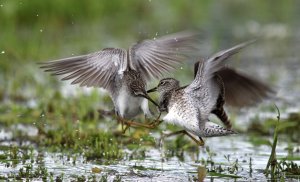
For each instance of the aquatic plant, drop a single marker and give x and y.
(280, 169)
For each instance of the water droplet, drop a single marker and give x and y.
(41, 30)
(37, 14)
(2, 52)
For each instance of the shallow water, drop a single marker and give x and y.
(156, 165)
(279, 67)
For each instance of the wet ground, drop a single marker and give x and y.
(46, 129)
(235, 157)
(241, 157)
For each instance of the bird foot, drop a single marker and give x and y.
(123, 122)
(151, 125)
(154, 123)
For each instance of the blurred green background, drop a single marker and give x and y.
(37, 30)
(66, 117)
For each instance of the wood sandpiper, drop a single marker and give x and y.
(190, 106)
(124, 73)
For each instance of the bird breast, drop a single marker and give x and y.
(183, 113)
(127, 105)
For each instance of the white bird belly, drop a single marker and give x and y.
(187, 122)
(173, 118)
(127, 105)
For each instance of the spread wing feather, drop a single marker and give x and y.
(91, 70)
(160, 56)
(203, 86)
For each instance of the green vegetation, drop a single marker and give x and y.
(280, 169)
(272, 160)
(41, 116)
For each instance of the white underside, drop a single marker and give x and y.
(191, 125)
(129, 106)
(194, 126)
(173, 118)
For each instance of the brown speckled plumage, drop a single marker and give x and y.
(123, 73)
(189, 107)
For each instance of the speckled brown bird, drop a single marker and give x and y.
(124, 73)
(190, 106)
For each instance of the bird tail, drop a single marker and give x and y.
(212, 130)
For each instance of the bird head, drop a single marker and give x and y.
(166, 85)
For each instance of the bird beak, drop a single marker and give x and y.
(147, 97)
(152, 90)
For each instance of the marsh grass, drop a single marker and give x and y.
(35, 31)
(276, 168)
(272, 160)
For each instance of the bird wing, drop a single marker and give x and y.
(91, 70)
(242, 90)
(203, 86)
(155, 57)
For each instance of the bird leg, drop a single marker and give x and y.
(128, 123)
(156, 122)
(198, 142)
(150, 125)
(121, 120)
(113, 113)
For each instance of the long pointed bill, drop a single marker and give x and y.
(152, 90)
(147, 97)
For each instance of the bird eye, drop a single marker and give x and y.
(162, 83)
